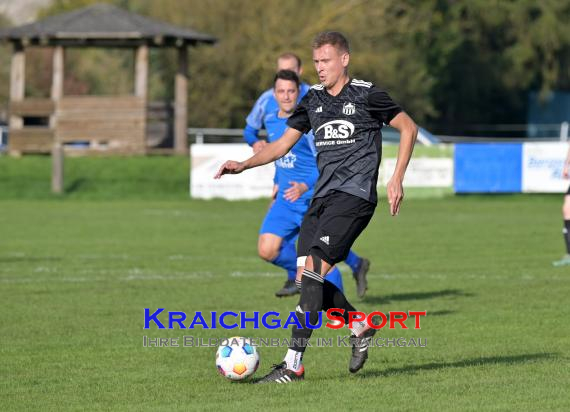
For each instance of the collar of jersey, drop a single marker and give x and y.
(341, 90)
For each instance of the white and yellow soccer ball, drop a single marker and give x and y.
(237, 358)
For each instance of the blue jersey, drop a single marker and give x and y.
(299, 165)
(265, 105)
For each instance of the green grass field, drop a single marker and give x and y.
(76, 274)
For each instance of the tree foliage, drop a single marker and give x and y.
(450, 63)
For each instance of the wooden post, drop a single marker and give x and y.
(141, 71)
(141, 88)
(57, 168)
(17, 82)
(56, 82)
(181, 103)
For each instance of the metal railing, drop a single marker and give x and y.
(199, 135)
(550, 131)
(235, 135)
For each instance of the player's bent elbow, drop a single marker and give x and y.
(405, 124)
(411, 126)
(415, 130)
(411, 129)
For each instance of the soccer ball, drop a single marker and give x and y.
(237, 358)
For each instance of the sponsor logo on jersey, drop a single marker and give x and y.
(287, 161)
(348, 109)
(319, 109)
(337, 129)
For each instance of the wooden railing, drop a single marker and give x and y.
(111, 123)
(31, 139)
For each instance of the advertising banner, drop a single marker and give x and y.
(542, 165)
(206, 159)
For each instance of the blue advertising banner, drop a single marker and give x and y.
(488, 167)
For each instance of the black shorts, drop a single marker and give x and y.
(332, 224)
(568, 191)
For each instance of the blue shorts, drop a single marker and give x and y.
(284, 218)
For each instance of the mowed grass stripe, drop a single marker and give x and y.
(480, 266)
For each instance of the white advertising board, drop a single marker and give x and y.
(421, 172)
(542, 165)
(206, 159)
(258, 182)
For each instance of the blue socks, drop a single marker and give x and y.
(352, 260)
(335, 277)
(287, 259)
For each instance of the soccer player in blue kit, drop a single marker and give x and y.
(293, 187)
(267, 104)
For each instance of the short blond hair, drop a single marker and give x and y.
(334, 38)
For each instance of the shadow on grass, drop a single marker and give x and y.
(491, 360)
(30, 259)
(378, 319)
(75, 185)
(415, 296)
(441, 312)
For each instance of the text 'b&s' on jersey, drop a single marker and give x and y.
(347, 131)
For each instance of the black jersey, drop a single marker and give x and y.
(347, 135)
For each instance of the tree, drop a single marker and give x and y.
(450, 63)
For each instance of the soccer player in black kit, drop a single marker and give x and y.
(565, 261)
(346, 116)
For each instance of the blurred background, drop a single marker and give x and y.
(487, 72)
(482, 68)
(90, 237)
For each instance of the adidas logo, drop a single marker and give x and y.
(319, 109)
(325, 240)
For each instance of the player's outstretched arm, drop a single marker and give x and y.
(408, 135)
(270, 153)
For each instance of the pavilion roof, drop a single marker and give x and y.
(102, 25)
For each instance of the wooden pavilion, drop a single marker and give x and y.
(113, 123)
